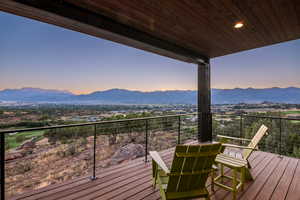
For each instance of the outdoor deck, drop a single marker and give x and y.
(275, 178)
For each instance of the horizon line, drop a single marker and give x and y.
(158, 90)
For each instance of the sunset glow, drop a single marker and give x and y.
(47, 56)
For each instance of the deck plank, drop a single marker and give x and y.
(104, 182)
(261, 180)
(270, 185)
(143, 193)
(111, 185)
(294, 189)
(125, 190)
(255, 173)
(284, 183)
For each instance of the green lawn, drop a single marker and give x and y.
(295, 121)
(16, 140)
(292, 112)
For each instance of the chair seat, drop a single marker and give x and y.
(229, 161)
(236, 153)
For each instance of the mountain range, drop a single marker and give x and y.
(122, 96)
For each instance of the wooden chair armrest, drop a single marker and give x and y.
(214, 167)
(233, 138)
(237, 146)
(158, 160)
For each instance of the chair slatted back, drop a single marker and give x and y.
(255, 140)
(191, 166)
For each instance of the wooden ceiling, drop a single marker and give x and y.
(195, 27)
(207, 25)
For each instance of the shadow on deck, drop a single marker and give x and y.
(275, 178)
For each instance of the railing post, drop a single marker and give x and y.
(179, 127)
(2, 164)
(280, 139)
(241, 128)
(146, 141)
(94, 154)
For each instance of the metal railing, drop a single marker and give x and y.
(139, 130)
(283, 133)
(156, 133)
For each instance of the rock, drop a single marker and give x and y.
(42, 142)
(127, 152)
(112, 139)
(85, 156)
(14, 155)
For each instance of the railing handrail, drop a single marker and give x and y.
(132, 119)
(90, 123)
(258, 116)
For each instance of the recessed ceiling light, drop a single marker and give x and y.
(238, 25)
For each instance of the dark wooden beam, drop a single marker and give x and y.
(204, 103)
(61, 13)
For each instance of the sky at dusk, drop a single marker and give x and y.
(35, 54)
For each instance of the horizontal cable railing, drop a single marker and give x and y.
(36, 157)
(91, 123)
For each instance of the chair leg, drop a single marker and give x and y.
(243, 177)
(234, 184)
(222, 173)
(249, 166)
(155, 173)
(212, 180)
(162, 193)
(207, 198)
(248, 175)
(155, 179)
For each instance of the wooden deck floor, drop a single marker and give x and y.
(275, 178)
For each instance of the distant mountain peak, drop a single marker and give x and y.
(35, 89)
(124, 96)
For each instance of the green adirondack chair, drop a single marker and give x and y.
(190, 169)
(238, 163)
(246, 150)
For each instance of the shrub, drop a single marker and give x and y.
(83, 142)
(67, 135)
(70, 150)
(7, 146)
(23, 167)
(20, 138)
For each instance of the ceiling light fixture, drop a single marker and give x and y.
(238, 25)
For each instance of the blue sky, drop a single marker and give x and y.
(35, 54)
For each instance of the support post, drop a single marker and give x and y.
(2, 166)
(204, 103)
